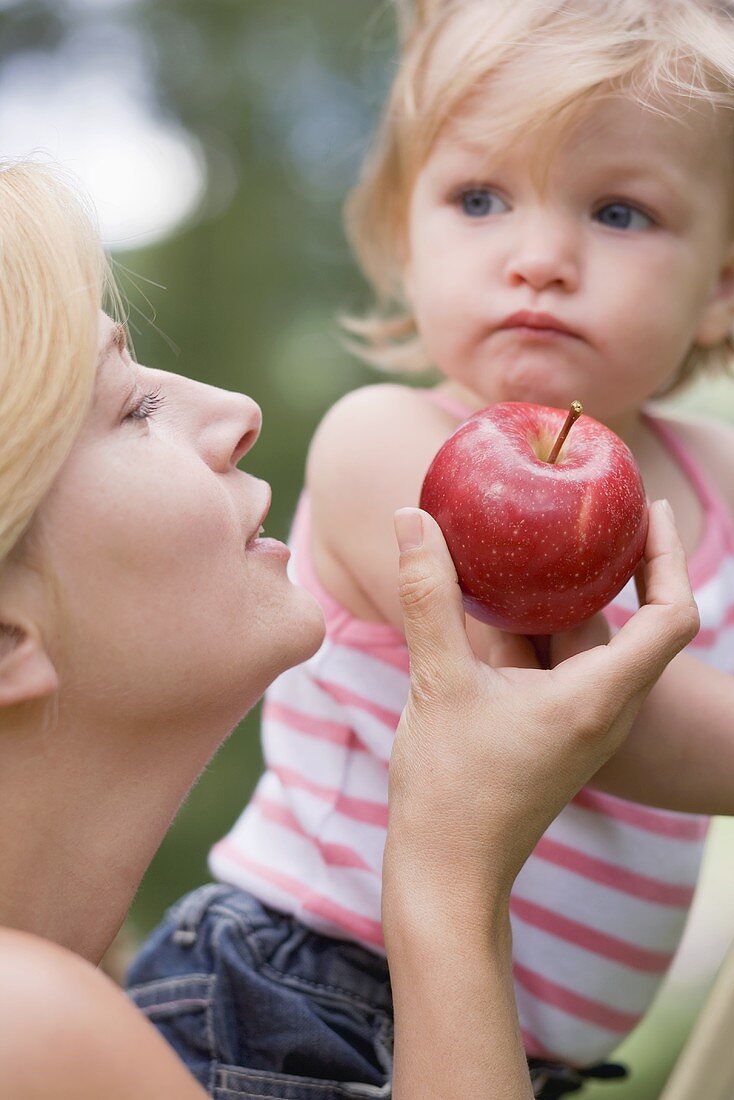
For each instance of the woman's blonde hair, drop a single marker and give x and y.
(546, 62)
(53, 279)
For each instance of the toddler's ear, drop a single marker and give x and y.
(718, 316)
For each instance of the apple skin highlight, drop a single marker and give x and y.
(538, 547)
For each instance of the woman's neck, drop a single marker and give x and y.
(83, 812)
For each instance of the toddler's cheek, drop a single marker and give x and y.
(446, 327)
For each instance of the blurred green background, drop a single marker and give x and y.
(272, 102)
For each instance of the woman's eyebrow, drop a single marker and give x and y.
(116, 340)
(106, 378)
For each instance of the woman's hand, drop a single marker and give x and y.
(485, 758)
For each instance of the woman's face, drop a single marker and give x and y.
(170, 605)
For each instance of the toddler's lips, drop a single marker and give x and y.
(530, 333)
(545, 323)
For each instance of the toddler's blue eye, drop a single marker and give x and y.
(476, 201)
(621, 215)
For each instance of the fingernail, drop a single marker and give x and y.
(665, 505)
(409, 528)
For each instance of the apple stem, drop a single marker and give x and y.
(573, 415)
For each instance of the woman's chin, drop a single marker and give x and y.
(294, 636)
(308, 627)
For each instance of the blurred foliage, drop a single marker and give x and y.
(279, 94)
(282, 96)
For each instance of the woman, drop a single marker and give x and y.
(142, 616)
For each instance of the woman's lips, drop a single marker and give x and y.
(273, 547)
(256, 544)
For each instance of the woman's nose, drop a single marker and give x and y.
(229, 428)
(253, 420)
(544, 255)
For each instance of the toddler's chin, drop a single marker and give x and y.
(536, 382)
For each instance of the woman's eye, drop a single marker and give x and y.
(147, 406)
(476, 202)
(621, 215)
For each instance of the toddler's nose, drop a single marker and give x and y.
(544, 255)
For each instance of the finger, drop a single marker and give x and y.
(430, 597)
(669, 619)
(541, 644)
(665, 571)
(640, 585)
(640, 571)
(588, 635)
(498, 649)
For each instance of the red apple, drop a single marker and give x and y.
(538, 546)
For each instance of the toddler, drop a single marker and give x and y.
(547, 214)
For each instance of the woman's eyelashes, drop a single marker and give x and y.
(146, 405)
(481, 202)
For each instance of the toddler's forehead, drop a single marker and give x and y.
(692, 140)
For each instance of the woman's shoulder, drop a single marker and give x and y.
(66, 1031)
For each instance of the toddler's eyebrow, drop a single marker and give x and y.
(664, 182)
(661, 171)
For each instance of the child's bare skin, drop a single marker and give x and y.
(637, 295)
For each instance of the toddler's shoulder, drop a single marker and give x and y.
(381, 408)
(368, 457)
(711, 442)
(379, 430)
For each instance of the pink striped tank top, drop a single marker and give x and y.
(599, 908)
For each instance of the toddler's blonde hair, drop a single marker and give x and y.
(53, 279)
(546, 62)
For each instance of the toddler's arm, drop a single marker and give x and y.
(368, 458)
(680, 753)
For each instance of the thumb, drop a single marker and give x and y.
(433, 612)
